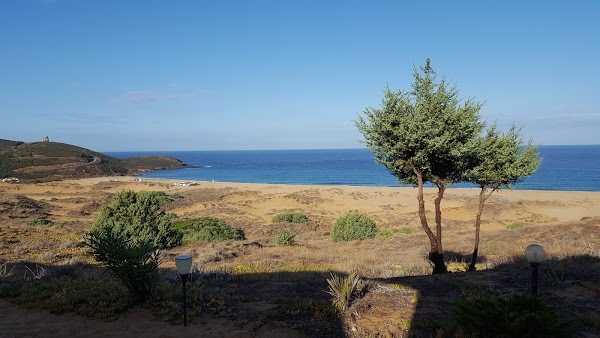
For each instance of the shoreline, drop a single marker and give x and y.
(138, 179)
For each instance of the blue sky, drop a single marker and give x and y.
(215, 75)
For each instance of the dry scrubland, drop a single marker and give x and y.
(279, 290)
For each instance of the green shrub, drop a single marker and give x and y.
(405, 230)
(135, 263)
(383, 233)
(201, 297)
(353, 226)
(40, 221)
(285, 238)
(514, 226)
(139, 217)
(519, 315)
(99, 299)
(290, 218)
(207, 229)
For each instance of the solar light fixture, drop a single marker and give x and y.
(535, 255)
(184, 264)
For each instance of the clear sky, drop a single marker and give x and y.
(215, 75)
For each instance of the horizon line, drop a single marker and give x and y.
(297, 149)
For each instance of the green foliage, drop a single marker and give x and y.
(167, 299)
(345, 289)
(353, 226)
(290, 218)
(428, 131)
(40, 221)
(207, 229)
(151, 162)
(424, 135)
(514, 226)
(99, 299)
(516, 316)
(134, 263)
(106, 298)
(285, 238)
(383, 233)
(138, 216)
(298, 309)
(78, 162)
(405, 230)
(502, 159)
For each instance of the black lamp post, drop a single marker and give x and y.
(184, 264)
(535, 255)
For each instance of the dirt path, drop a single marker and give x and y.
(16, 321)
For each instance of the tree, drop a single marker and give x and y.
(425, 135)
(128, 237)
(139, 217)
(501, 161)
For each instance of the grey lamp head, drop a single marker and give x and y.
(183, 264)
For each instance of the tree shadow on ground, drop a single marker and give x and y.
(269, 304)
(569, 285)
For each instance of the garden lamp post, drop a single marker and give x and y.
(535, 255)
(184, 264)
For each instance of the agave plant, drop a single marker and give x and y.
(344, 289)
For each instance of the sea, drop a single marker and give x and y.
(568, 168)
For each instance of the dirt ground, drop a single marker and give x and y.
(45, 223)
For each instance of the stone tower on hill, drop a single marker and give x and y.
(45, 139)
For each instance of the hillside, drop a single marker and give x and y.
(48, 161)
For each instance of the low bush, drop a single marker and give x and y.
(519, 315)
(134, 263)
(139, 217)
(514, 226)
(405, 230)
(353, 226)
(99, 299)
(290, 218)
(207, 229)
(383, 233)
(201, 297)
(40, 221)
(285, 238)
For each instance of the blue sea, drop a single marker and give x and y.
(563, 167)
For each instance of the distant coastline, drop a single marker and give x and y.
(51, 161)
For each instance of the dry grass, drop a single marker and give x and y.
(257, 270)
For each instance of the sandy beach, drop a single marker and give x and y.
(566, 223)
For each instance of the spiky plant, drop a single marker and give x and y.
(344, 289)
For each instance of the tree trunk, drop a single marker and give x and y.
(482, 199)
(424, 224)
(435, 252)
(438, 257)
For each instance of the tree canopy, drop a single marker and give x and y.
(428, 131)
(503, 159)
(139, 217)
